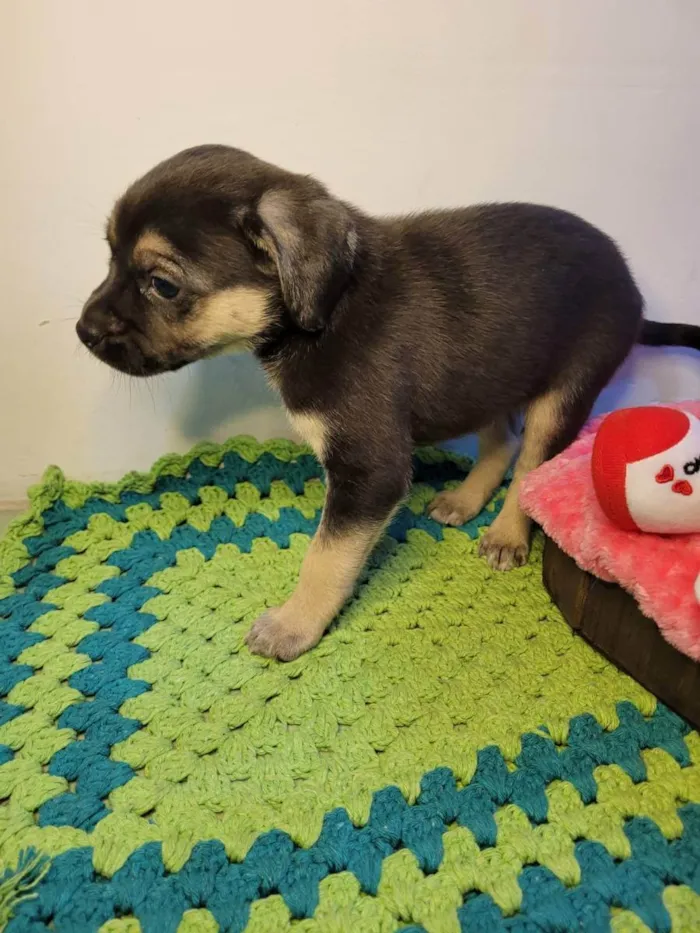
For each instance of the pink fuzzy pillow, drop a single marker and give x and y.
(659, 571)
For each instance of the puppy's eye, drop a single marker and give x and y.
(164, 287)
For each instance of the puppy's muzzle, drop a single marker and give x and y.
(119, 343)
(113, 341)
(97, 326)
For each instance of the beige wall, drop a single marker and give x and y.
(397, 104)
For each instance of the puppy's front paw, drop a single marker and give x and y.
(504, 550)
(452, 507)
(277, 635)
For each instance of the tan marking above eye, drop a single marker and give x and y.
(152, 248)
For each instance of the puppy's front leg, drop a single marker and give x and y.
(353, 518)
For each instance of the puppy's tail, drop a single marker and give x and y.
(657, 334)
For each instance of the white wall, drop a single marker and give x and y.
(396, 104)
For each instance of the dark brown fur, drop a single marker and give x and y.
(389, 332)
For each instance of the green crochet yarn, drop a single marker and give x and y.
(450, 757)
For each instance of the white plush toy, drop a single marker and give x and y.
(646, 471)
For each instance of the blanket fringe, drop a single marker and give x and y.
(19, 884)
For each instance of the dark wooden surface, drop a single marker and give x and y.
(609, 618)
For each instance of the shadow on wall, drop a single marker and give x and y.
(649, 375)
(225, 389)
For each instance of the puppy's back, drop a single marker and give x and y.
(507, 297)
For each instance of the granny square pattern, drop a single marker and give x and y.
(451, 757)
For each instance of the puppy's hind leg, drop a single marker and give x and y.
(496, 450)
(551, 422)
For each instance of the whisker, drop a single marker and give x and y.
(149, 386)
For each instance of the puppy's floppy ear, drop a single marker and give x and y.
(312, 242)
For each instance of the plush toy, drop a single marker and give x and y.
(646, 470)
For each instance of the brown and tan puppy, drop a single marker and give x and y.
(378, 333)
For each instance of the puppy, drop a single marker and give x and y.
(379, 334)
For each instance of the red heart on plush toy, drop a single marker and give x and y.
(665, 474)
(683, 487)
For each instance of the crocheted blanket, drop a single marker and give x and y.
(450, 757)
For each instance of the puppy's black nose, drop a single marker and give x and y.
(96, 325)
(89, 335)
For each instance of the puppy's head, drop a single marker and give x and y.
(211, 251)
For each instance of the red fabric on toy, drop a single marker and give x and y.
(658, 570)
